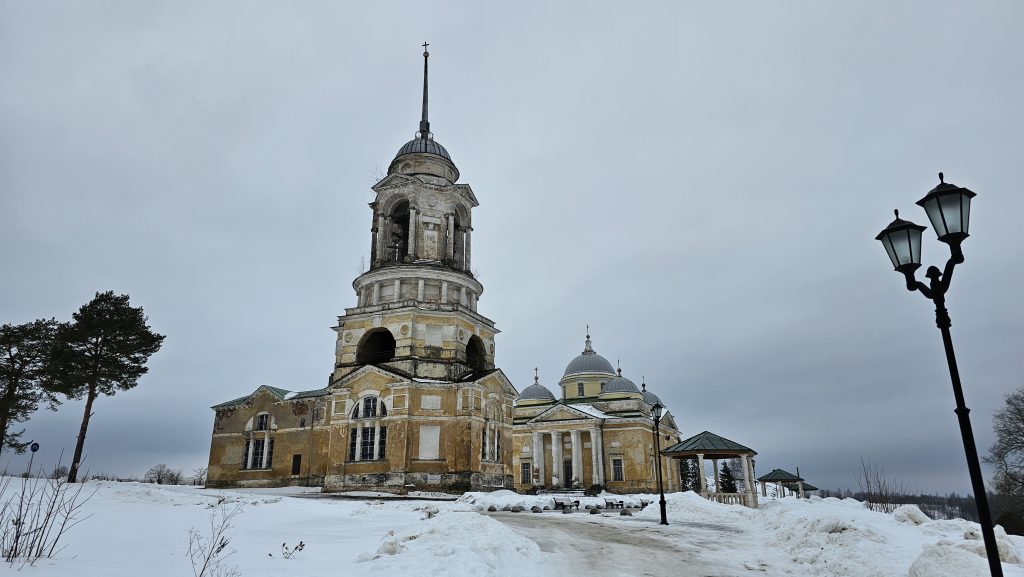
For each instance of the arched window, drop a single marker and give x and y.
(368, 436)
(376, 346)
(258, 448)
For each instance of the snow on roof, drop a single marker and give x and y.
(588, 409)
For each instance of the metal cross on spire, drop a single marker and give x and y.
(536, 375)
(424, 123)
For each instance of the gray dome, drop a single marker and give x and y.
(589, 362)
(424, 145)
(536, 392)
(651, 399)
(620, 384)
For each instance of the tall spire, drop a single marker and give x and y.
(424, 123)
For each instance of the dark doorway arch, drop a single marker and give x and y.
(476, 355)
(376, 346)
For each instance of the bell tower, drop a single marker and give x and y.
(416, 307)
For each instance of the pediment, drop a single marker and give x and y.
(392, 181)
(561, 413)
(498, 377)
(377, 376)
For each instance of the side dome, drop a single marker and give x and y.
(649, 397)
(620, 384)
(536, 392)
(589, 362)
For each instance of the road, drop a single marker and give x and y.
(590, 545)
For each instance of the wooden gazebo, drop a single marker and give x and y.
(785, 480)
(708, 445)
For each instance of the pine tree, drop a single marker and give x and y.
(688, 475)
(103, 350)
(24, 352)
(727, 480)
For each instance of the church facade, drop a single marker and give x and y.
(598, 432)
(414, 400)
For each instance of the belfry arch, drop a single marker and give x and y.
(376, 346)
(476, 353)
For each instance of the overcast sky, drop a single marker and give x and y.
(700, 182)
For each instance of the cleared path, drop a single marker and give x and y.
(612, 546)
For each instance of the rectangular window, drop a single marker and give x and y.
(430, 436)
(579, 389)
(617, 470)
(431, 402)
(261, 422)
(483, 445)
(382, 443)
(525, 474)
(257, 453)
(366, 447)
(245, 455)
(353, 436)
(296, 464)
(270, 454)
(497, 446)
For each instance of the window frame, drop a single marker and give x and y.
(618, 471)
(526, 473)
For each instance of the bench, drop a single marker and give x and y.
(613, 504)
(644, 503)
(563, 503)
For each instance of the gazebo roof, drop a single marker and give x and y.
(710, 445)
(779, 476)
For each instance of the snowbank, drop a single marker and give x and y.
(499, 499)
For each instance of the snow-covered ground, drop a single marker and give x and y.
(138, 529)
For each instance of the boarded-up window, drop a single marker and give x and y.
(430, 436)
(430, 402)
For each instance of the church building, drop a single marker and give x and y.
(414, 400)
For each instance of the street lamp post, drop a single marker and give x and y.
(948, 207)
(656, 413)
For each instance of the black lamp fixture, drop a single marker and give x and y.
(949, 209)
(656, 412)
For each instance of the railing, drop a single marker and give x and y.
(728, 498)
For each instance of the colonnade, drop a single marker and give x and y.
(457, 240)
(557, 441)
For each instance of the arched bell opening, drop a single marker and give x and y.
(376, 346)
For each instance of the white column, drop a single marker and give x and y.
(412, 233)
(469, 234)
(419, 290)
(718, 482)
(599, 451)
(462, 296)
(471, 300)
(556, 459)
(359, 441)
(398, 290)
(577, 458)
(746, 474)
(444, 291)
(379, 238)
(595, 468)
(376, 294)
(701, 475)
(376, 441)
(266, 449)
(538, 457)
(449, 236)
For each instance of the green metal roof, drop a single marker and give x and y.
(778, 475)
(281, 394)
(708, 442)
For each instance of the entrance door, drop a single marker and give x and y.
(296, 464)
(567, 467)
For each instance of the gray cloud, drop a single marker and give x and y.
(701, 184)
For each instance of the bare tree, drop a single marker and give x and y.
(163, 475)
(199, 476)
(881, 493)
(1007, 453)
